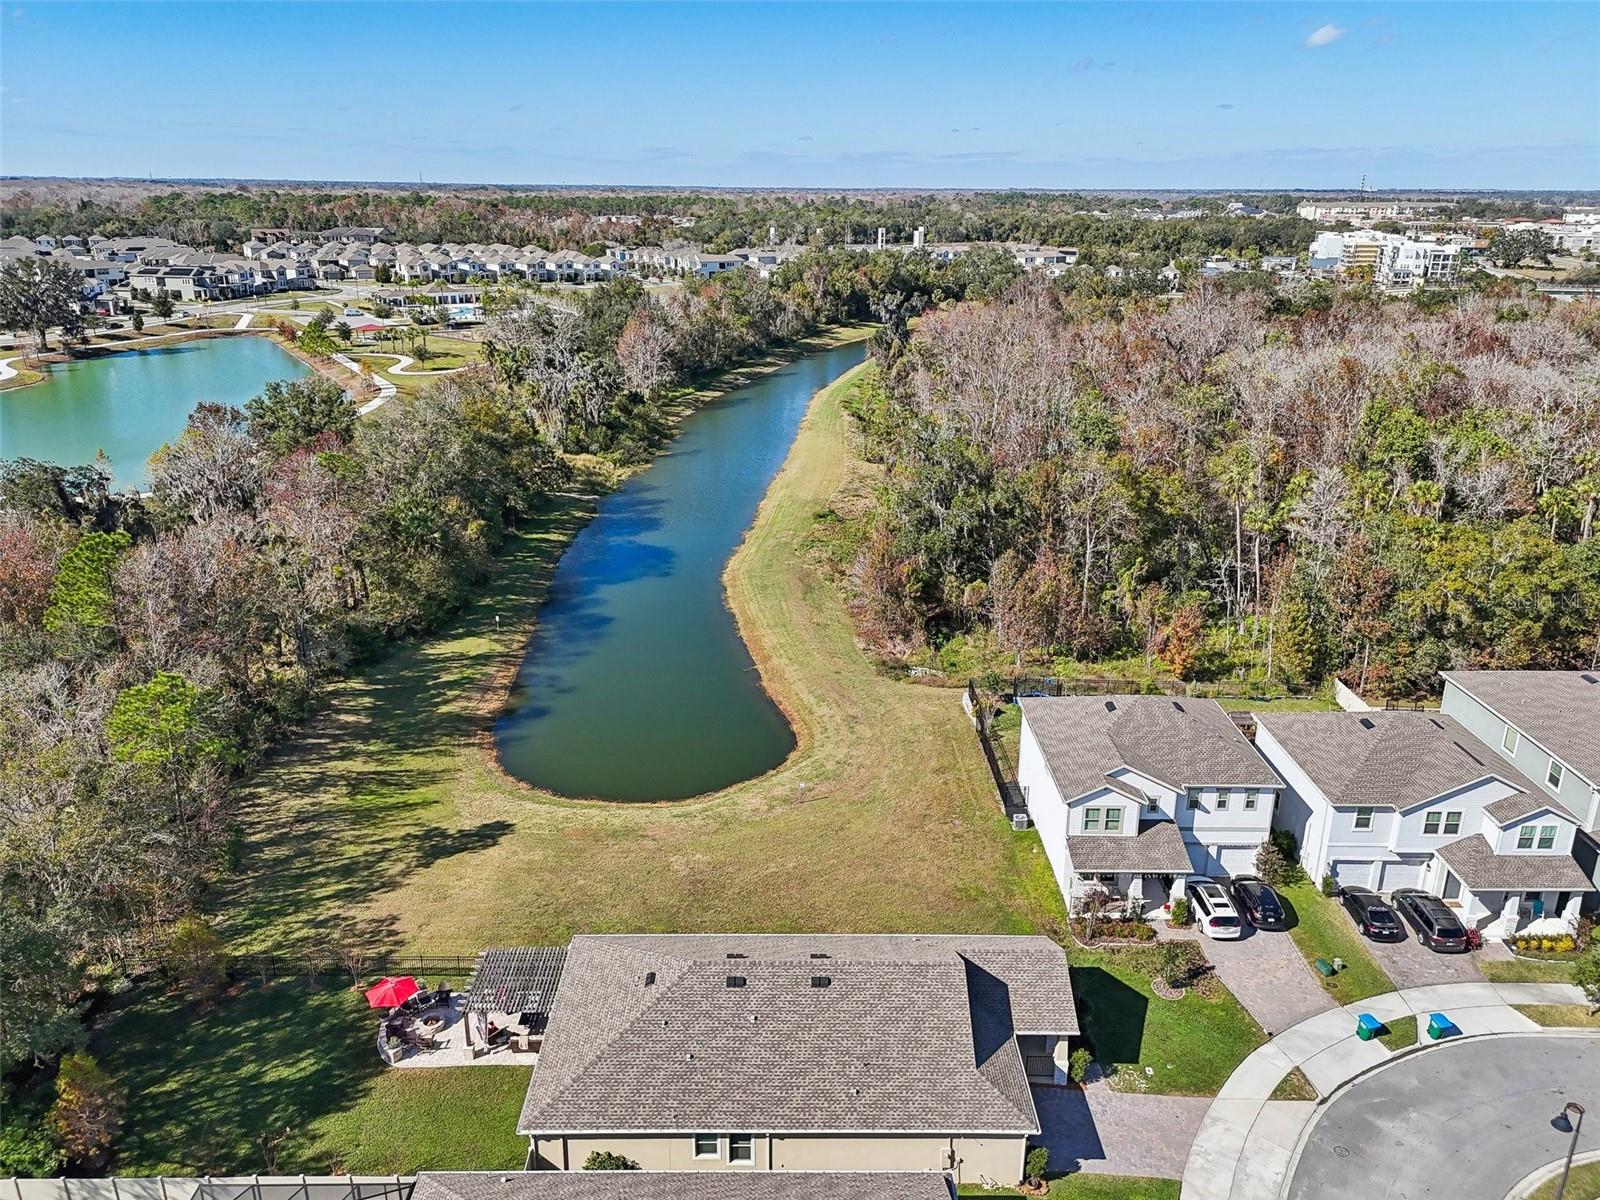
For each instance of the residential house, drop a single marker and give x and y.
(1131, 794)
(1391, 260)
(800, 1052)
(1051, 259)
(1547, 723)
(1388, 799)
(682, 1185)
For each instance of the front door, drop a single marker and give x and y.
(1535, 903)
(1452, 887)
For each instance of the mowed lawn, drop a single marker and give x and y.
(1322, 929)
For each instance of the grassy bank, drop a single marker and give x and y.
(387, 812)
(1321, 929)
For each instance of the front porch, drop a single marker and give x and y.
(1129, 895)
(1142, 873)
(1508, 894)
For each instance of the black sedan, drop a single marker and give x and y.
(1372, 916)
(1258, 902)
(1438, 927)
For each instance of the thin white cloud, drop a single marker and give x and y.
(1328, 33)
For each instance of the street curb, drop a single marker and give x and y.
(1530, 1182)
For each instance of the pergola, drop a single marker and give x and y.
(518, 982)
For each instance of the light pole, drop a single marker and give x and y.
(1571, 1116)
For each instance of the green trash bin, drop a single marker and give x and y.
(1368, 1027)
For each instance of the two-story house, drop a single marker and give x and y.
(1390, 800)
(1131, 794)
(1547, 723)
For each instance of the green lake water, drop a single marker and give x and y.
(129, 405)
(636, 684)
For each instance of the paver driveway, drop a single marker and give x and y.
(1411, 964)
(1102, 1132)
(1268, 974)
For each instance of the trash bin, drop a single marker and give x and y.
(1368, 1027)
(1439, 1025)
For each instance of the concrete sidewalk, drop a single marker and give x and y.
(1247, 1141)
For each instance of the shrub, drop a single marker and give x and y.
(1180, 964)
(1271, 865)
(1131, 929)
(26, 1148)
(604, 1160)
(1587, 976)
(87, 1114)
(1078, 1064)
(1180, 915)
(197, 958)
(1329, 887)
(1288, 846)
(1036, 1164)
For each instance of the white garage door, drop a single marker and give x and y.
(1348, 872)
(1402, 875)
(1237, 860)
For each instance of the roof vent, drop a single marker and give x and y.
(649, 978)
(1177, 706)
(736, 980)
(733, 956)
(821, 981)
(1366, 723)
(1588, 678)
(820, 954)
(1111, 706)
(1434, 721)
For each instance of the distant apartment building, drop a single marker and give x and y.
(1391, 260)
(1359, 212)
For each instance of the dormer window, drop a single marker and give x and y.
(1113, 820)
(1547, 837)
(1525, 837)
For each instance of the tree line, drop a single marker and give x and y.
(1232, 485)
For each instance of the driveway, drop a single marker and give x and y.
(1467, 1119)
(1411, 964)
(1269, 976)
(1101, 1132)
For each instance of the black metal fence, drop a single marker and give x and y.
(1009, 688)
(309, 963)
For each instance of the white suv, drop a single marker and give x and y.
(1213, 911)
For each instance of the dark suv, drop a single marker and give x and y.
(1258, 902)
(1438, 928)
(1372, 916)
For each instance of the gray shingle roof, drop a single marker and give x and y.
(1182, 743)
(1523, 804)
(1387, 759)
(1558, 709)
(1477, 865)
(1156, 849)
(912, 1033)
(682, 1185)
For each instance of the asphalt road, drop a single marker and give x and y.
(1465, 1121)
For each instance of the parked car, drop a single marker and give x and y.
(1258, 903)
(1213, 911)
(1372, 916)
(1438, 927)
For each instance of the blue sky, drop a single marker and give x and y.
(812, 94)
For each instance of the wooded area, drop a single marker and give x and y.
(1239, 485)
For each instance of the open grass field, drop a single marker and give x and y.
(1321, 929)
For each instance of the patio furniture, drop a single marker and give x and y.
(1441, 1026)
(392, 992)
(1368, 1027)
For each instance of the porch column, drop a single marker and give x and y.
(1569, 914)
(1135, 893)
(1509, 913)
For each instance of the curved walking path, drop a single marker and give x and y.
(403, 364)
(7, 371)
(1247, 1141)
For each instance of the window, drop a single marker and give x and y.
(1113, 820)
(1430, 823)
(1547, 837)
(1553, 775)
(1091, 820)
(1452, 822)
(741, 1148)
(1363, 818)
(1222, 801)
(707, 1145)
(1508, 743)
(1153, 804)
(1525, 837)
(1194, 801)
(1250, 801)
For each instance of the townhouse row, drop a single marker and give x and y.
(1491, 802)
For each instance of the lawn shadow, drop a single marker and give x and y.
(1291, 916)
(1112, 1014)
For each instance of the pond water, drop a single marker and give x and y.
(636, 684)
(129, 405)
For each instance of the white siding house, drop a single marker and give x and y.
(1389, 800)
(1131, 794)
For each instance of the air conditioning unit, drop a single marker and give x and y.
(1019, 821)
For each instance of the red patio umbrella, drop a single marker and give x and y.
(392, 992)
